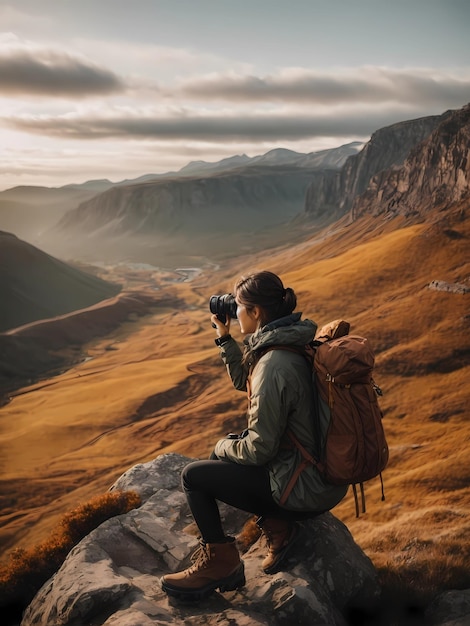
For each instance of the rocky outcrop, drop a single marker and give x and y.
(112, 576)
(436, 173)
(332, 193)
(442, 285)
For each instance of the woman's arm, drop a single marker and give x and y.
(232, 357)
(230, 353)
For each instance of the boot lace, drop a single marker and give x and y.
(199, 559)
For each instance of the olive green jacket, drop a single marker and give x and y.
(281, 395)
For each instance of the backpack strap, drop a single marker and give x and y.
(307, 459)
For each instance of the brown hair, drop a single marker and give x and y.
(265, 289)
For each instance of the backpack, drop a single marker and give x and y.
(355, 449)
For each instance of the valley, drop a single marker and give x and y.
(156, 385)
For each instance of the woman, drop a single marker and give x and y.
(251, 471)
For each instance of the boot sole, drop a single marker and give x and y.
(281, 556)
(231, 583)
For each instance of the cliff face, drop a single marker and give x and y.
(435, 173)
(332, 193)
(240, 200)
(239, 194)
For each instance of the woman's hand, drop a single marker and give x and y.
(220, 328)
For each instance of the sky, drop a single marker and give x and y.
(115, 89)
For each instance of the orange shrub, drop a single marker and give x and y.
(28, 570)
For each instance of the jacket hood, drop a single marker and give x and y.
(288, 331)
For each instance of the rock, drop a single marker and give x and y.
(441, 285)
(451, 608)
(111, 578)
(436, 173)
(332, 193)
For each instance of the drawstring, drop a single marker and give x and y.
(356, 503)
(382, 484)
(356, 499)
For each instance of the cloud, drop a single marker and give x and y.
(244, 125)
(359, 85)
(39, 72)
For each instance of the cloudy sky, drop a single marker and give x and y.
(119, 88)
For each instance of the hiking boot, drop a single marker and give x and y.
(280, 535)
(215, 566)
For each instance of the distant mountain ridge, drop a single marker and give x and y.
(333, 157)
(30, 211)
(240, 200)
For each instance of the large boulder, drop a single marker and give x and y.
(111, 577)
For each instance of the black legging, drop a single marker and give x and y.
(246, 487)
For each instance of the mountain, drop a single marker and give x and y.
(331, 193)
(237, 193)
(239, 200)
(334, 157)
(97, 186)
(266, 191)
(31, 211)
(34, 285)
(436, 173)
(324, 159)
(198, 167)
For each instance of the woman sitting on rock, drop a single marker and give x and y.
(252, 471)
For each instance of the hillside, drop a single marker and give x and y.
(34, 285)
(163, 389)
(241, 200)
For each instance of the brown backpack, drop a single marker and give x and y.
(355, 449)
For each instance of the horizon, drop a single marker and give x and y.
(109, 91)
(202, 161)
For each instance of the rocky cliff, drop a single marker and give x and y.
(332, 193)
(241, 201)
(238, 194)
(111, 578)
(435, 174)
